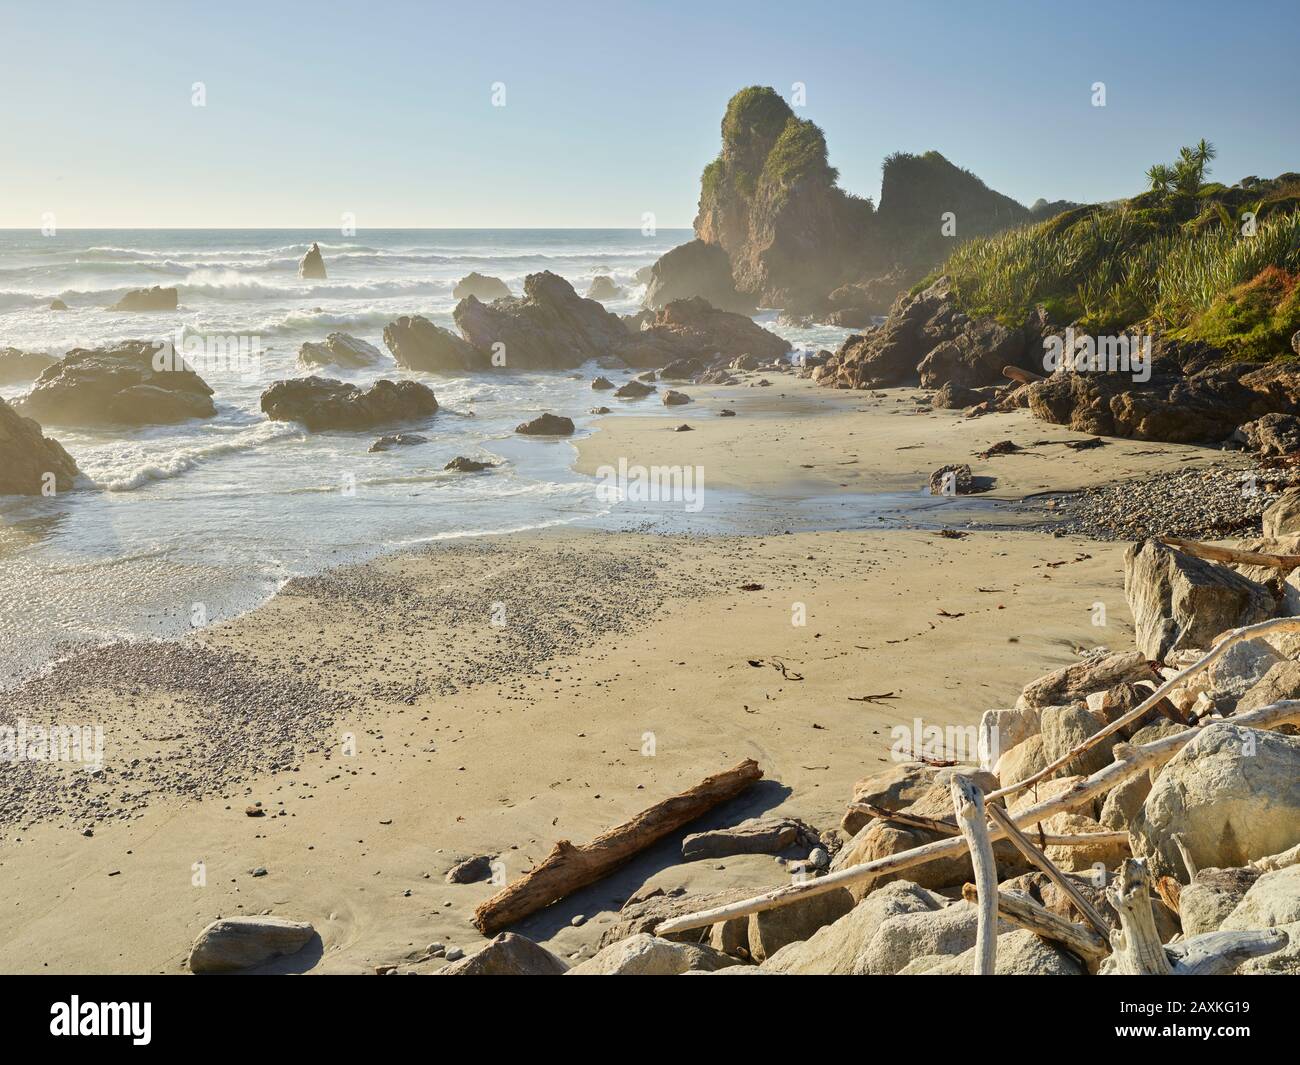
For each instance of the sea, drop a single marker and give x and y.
(181, 525)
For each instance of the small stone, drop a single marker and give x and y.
(454, 954)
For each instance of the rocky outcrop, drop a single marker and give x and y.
(691, 328)
(148, 299)
(312, 265)
(339, 349)
(18, 366)
(1183, 602)
(134, 383)
(323, 403)
(235, 943)
(1273, 434)
(30, 462)
(1080, 679)
(771, 202)
(481, 287)
(1283, 515)
(550, 328)
(1207, 405)
(633, 390)
(1232, 794)
(418, 344)
(603, 288)
(546, 425)
(673, 398)
(695, 269)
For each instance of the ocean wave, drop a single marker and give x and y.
(179, 461)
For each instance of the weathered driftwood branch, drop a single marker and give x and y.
(1219, 953)
(1188, 863)
(1139, 952)
(570, 867)
(1023, 844)
(1232, 555)
(1248, 632)
(1024, 912)
(1138, 759)
(1136, 949)
(1278, 861)
(949, 828)
(968, 805)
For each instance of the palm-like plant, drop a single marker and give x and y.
(1161, 177)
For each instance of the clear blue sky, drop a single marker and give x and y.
(612, 108)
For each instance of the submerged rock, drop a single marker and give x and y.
(28, 459)
(481, 287)
(460, 464)
(675, 399)
(324, 403)
(235, 943)
(418, 344)
(134, 383)
(339, 349)
(148, 299)
(633, 390)
(312, 266)
(392, 440)
(58, 305)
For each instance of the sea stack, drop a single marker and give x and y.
(312, 266)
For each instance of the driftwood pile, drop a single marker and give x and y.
(1134, 813)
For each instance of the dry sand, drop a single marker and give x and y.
(473, 738)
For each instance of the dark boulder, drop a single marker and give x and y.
(18, 366)
(695, 269)
(546, 425)
(692, 328)
(134, 383)
(392, 440)
(312, 266)
(323, 403)
(339, 349)
(29, 459)
(460, 464)
(603, 288)
(481, 287)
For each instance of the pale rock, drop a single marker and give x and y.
(647, 955)
(233, 943)
(1001, 730)
(507, 955)
(1071, 683)
(1205, 903)
(770, 930)
(1020, 953)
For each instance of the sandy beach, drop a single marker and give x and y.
(494, 695)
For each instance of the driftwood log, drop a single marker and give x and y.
(1136, 760)
(1232, 555)
(949, 828)
(968, 805)
(1024, 912)
(1274, 626)
(568, 867)
(1021, 377)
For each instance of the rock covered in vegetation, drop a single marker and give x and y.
(132, 383)
(549, 327)
(234, 943)
(324, 403)
(481, 287)
(148, 299)
(28, 459)
(418, 344)
(339, 349)
(312, 265)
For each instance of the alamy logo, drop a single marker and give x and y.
(53, 743)
(75, 1017)
(1098, 354)
(652, 484)
(209, 356)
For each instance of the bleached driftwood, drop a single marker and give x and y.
(1138, 759)
(1248, 632)
(1024, 845)
(1139, 952)
(1232, 555)
(1136, 949)
(949, 828)
(968, 805)
(1024, 912)
(1185, 854)
(570, 867)
(1278, 861)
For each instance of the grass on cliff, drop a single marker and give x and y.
(1176, 257)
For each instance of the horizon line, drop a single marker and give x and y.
(367, 229)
